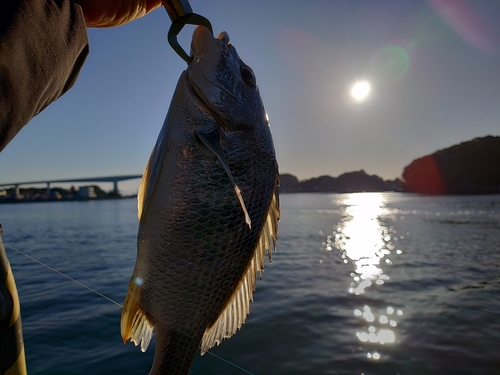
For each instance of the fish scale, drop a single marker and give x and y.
(200, 244)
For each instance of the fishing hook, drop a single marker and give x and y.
(180, 13)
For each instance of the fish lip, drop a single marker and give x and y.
(201, 37)
(203, 40)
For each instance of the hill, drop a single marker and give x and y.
(467, 168)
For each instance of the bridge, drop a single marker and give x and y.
(113, 179)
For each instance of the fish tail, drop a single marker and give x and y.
(136, 324)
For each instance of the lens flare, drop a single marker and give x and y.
(390, 64)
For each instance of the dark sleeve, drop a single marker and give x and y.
(43, 45)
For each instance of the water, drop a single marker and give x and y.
(367, 283)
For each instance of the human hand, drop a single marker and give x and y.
(109, 13)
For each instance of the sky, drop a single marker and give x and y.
(433, 68)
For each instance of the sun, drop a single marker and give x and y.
(360, 90)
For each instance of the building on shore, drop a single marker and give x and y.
(86, 192)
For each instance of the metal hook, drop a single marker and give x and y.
(180, 13)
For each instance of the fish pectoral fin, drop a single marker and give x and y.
(236, 311)
(212, 142)
(136, 324)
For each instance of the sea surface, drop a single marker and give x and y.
(365, 283)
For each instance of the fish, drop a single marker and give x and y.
(208, 208)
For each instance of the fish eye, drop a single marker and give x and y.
(248, 76)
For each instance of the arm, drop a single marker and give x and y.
(43, 45)
(110, 13)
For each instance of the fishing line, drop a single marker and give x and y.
(107, 298)
(62, 274)
(231, 363)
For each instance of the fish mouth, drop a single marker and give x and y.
(204, 43)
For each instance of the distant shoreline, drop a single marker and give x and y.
(468, 168)
(57, 194)
(18, 201)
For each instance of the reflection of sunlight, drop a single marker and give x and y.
(383, 336)
(366, 242)
(361, 238)
(375, 355)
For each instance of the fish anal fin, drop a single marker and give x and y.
(136, 324)
(236, 311)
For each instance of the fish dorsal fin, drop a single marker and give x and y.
(136, 325)
(141, 194)
(235, 313)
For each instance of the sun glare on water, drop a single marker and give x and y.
(360, 90)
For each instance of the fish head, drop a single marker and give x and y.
(224, 83)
